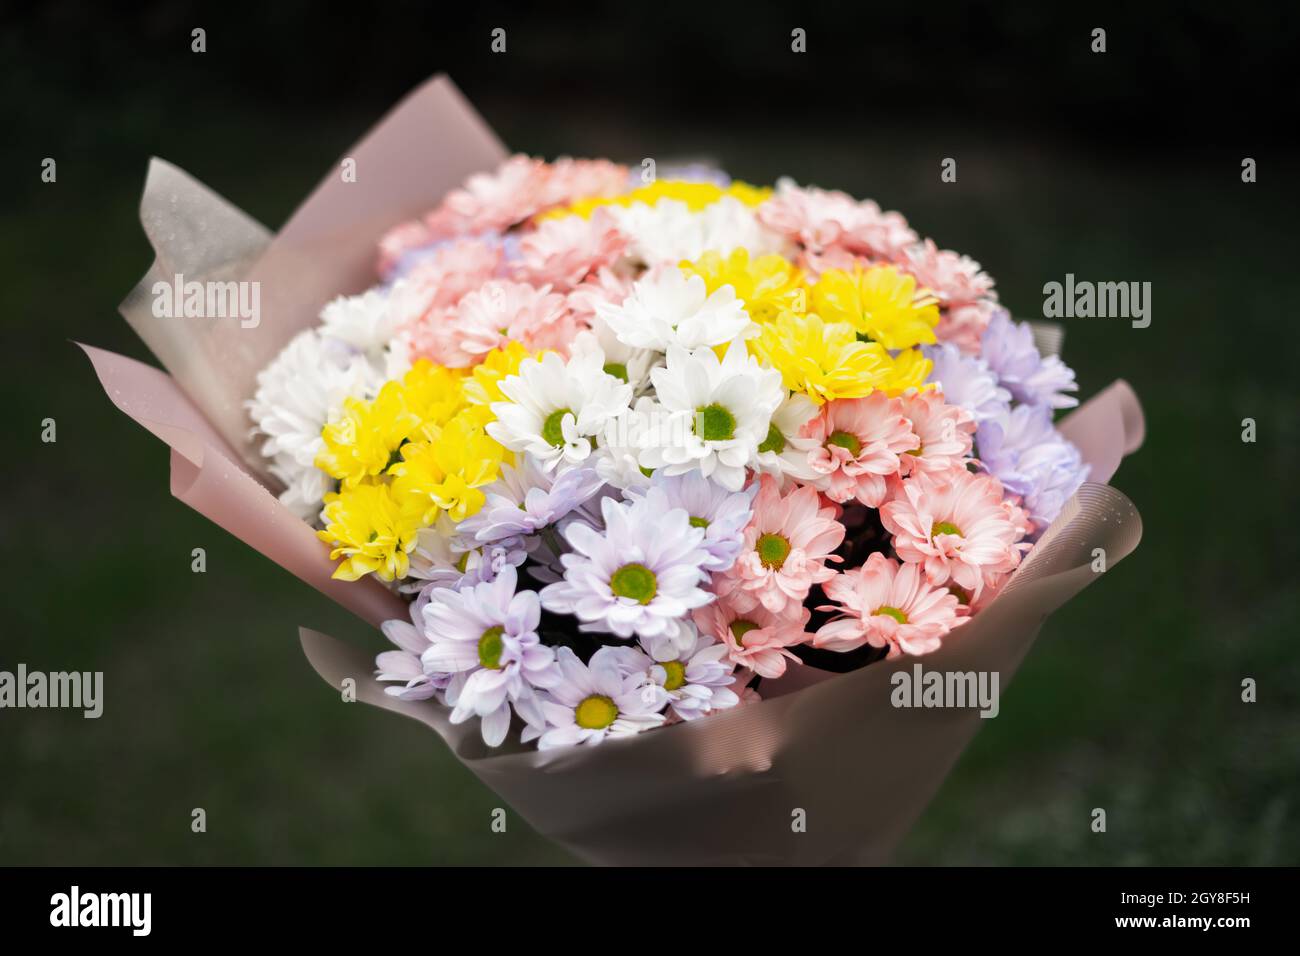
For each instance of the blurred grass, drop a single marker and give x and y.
(1130, 700)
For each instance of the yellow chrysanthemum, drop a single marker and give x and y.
(361, 443)
(827, 360)
(370, 530)
(880, 303)
(483, 386)
(695, 195)
(445, 472)
(768, 285)
(434, 393)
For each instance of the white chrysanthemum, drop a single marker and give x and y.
(696, 673)
(295, 396)
(668, 307)
(364, 321)
(623, 361)
(784, 452)
(669, 231)
(557, 408)
(610, 696)
(618, 458)
(729, 405)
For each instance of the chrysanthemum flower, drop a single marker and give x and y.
(767, 285)
(556, 408)
(784, 452)
(482, 386)
(787, 544)
(1023, 450)
(755, 637)
(609, 696)
(434, 394)
(693, 195)
(821, 219)
(967, 381)
(492, 201)
(826, 361)
(722, 514)
(563, 252)
(955, 525)
(881, 303)
(568, 180)
(728, 403)
(1008, 348)
(639, 576)
(666, 233)
(697, 674)
(442, 278)
(858, 443)
(886, 604)
(494, 314)
(953, 278)
(485, 636)
(623, 361)
(404, 664)
(667, 307)
(361, 443)
(604, 287)
(943, 432)
(371, 530)
(446, 472)
(526, 499)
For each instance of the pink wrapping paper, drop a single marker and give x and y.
(721, 790)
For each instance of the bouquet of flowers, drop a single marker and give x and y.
(604, 450)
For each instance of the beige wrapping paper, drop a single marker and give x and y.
(721, 790)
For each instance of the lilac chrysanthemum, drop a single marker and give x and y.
(1032, 459)
(967, 381)
(640, 576)
(1008, 348)
(722, 514)
(609, 696)
(525, 499)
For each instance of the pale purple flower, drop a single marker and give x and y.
(525, 499)
(1008, 348)
(609, 696)
(641, 575)
(722, 514)
(697, 674)
(967, 381)
(1031, 459)
(485, 637)
(404, 664)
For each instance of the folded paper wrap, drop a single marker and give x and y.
(823, 770)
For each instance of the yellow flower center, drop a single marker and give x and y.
(944, 527)
(893, 612)
(634, 581)
(674, 674)
(772, 550)
(715, 423)
(553, 427)
(490, 647)
(595, 712)
(739, 629)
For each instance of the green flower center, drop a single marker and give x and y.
(553, 427)
(739, 629)
(674, 674)
(774, 441)
(699, 522)
(772, 550)
(490, 647)
(595, 712)
(959, 592)
(893, 612)
(715, 423)
(846, 440)
(634, 581)
(944, 527)
(617, 369)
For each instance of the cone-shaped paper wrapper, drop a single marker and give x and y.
(830, 750)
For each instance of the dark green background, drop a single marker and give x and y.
(1117, 167)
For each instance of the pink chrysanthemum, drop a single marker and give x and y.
(564, 251)
(440, 281)
(785, 550)
(963, 325)
(943, 432)
(496, 313)
(568, 180)
(886, 604)
(755, 638)
(821, 219)
(399, 240)
(605, 287)
(491, 202)
(859, 441)
(956, 525)
(953, 278)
